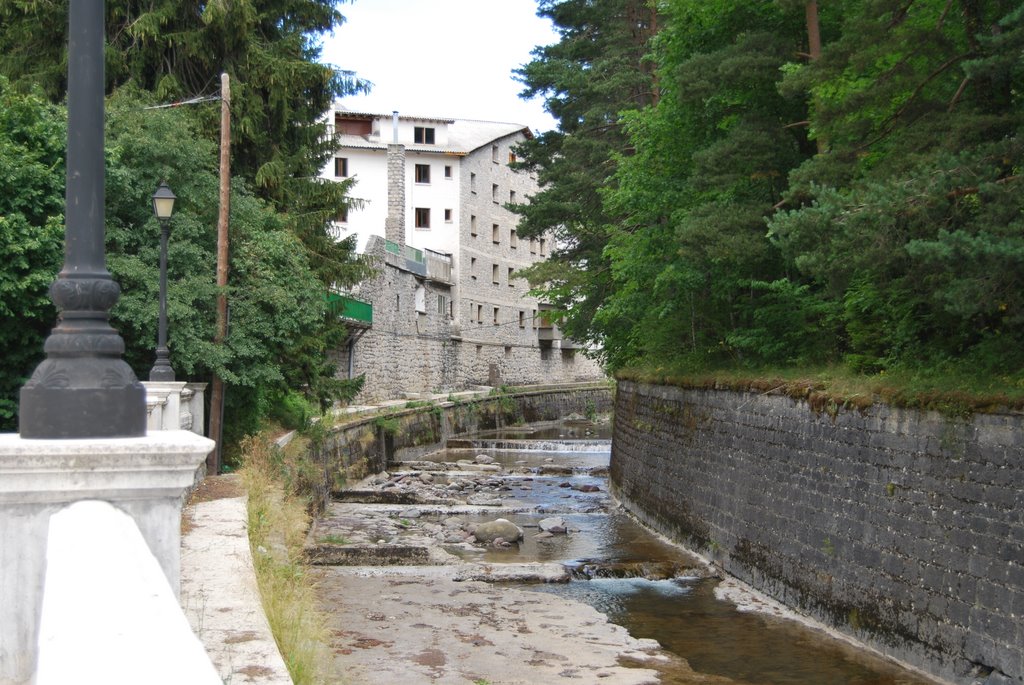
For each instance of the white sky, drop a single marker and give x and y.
(442, 58)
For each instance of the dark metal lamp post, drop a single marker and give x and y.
(163, 206)
(84, 389)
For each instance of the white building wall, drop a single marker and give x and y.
(493, 334)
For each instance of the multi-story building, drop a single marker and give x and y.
(449, 310)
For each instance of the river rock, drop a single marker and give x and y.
(586, 488)
(499, 528)
(483, 459)
(483, 500)
(426, 478)
(554, 524)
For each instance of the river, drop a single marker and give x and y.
(652, 588)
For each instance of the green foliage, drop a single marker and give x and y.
(765, 208)
(31, 234)
(387, 425)
(283, 256)
(292, 410)
(598, 68)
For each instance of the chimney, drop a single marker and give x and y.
(394, 224)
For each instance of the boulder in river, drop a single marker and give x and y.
(499, 528)
(553, 524)
(483, 459)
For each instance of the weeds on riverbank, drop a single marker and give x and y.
(278, 521)
(952, 391)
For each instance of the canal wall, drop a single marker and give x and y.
(903, 529)
(366, 445)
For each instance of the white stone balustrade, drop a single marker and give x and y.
(144, 477)
(175, 406)
(109, 615)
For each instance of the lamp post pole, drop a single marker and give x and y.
(84, 389)
(163, 205)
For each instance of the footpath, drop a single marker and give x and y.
(218, 586)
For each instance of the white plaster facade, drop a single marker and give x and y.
(457, 182)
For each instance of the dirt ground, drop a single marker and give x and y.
(419, 625)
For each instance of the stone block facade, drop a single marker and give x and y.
(415, 346)
(903, 529)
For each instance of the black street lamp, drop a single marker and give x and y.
(84, 389)
(163, 206)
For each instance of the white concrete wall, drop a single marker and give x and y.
(369, 168)
(438, 195)
(109, 615)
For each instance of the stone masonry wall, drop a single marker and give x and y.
(903, 529)
(367, 445)
(410, 352)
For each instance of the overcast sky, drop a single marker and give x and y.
(442, 58)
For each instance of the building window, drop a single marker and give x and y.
(545, 351)
(472, 225)
(494, 274)
(494, 192)
(442, 304)
(422, 217)
(513, 241)
(533, 319)
(511, 197)
(472, 182)
(448, 172)
(533, 246)
(342, 217)
(421, 299)
(511, 157)
(511, 271)
(447, 216)
(479, 313)
(542, 246)
(423, 173)
(496, 316)
(522, 319)
(423, 135)
(472, 268)
(508, 350)
(494, 154)
(341, 167)
(495, 234)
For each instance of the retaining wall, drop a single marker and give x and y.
(903, 529)
(367, 445)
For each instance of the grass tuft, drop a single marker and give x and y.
(278, 522)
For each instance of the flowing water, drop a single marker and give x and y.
(643, 583)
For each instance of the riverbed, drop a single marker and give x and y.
(414, 599)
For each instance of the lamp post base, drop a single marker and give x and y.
(55, 406)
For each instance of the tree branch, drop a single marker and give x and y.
(959, 92)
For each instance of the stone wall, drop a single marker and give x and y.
(407, 351)
(367, 445)
(903, 529)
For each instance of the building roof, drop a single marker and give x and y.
(464, 135)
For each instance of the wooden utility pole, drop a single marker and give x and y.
(213, 460)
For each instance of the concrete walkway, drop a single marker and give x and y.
(218, 586)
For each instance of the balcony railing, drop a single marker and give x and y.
(350, 309)
(437, 266)
(405, 257)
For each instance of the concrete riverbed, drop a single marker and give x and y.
(419, 591)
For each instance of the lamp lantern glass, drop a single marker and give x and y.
(163, 201)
